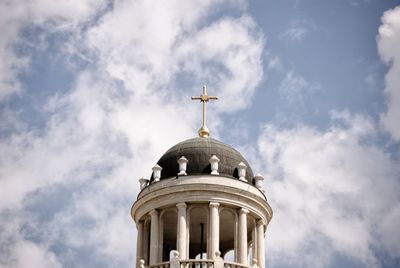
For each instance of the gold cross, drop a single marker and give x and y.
(204, 98)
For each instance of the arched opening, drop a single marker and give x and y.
(227, 231)
(198, 233)
(169, 225)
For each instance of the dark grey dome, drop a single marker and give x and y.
(198, 152)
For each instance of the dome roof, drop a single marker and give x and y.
(198, 152)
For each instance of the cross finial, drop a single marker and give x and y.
(204, 98)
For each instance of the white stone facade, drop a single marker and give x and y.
(184, 218)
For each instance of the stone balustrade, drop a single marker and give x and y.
(196, 263)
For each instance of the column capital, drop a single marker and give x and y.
(214, 205)
(181, 205)
(243, 210)
(260, 222)
(154, 212)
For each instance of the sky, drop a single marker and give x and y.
(93, 92)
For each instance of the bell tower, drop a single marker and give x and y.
(201, 207)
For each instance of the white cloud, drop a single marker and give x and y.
(371, 80)
(15, 16)
(103, 134)
(148, 53)
(275, 63)
(228, 55)
(294, 87)
(332, 193)
(295, 33)
(98, 144)
(388, 46)
(18, 252)
(28, 254)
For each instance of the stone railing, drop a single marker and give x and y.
(176, 262)
(204, 263)
(192, 263)
(229, 264)
(165, 264)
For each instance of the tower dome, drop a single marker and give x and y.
(201, 207)
(198, 152)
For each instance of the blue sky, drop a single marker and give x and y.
(93, 92)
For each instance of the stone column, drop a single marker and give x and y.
(181, 242)
(214, 230)
(139, 241)
(160, 237)
(154, 235)
(236, 239)
(146, 242)
(242, 236)
(260, 244)
(254, 244)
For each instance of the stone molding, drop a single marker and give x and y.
(202, 189)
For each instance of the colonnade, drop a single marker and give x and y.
(149, 239)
